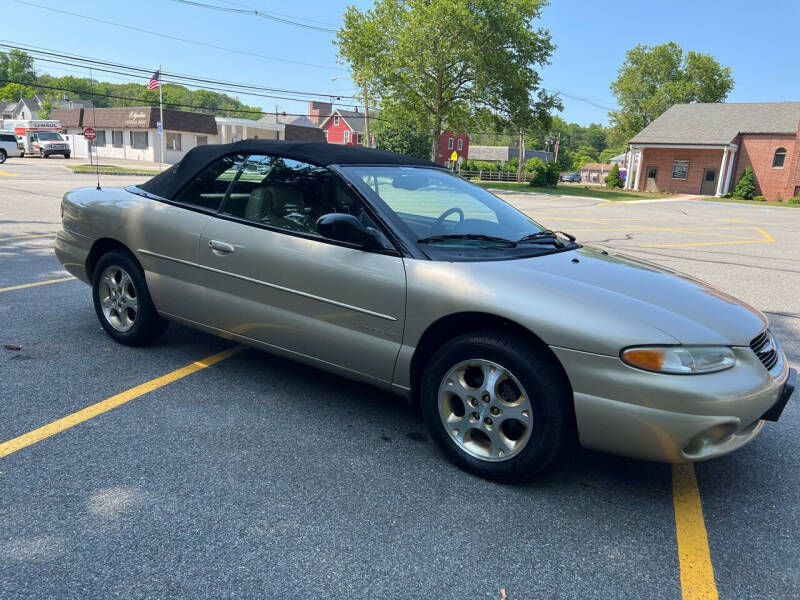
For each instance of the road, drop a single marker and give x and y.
(257, 477)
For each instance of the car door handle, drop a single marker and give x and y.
(220, 247)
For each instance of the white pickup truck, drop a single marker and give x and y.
(44, 143)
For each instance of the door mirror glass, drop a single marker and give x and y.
(346, 228)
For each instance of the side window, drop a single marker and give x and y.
(291, 195)
(208, 188)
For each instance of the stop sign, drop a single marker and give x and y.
(89, 133)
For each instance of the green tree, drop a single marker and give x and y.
(614, 180)
(14, 91)
(16, 66)
(44, 112)
(653, 78)
(436, 62)
(403, 140)
(746, 186)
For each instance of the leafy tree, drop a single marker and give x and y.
(16, 66)
(614, 180)
(44, 112)
(439, 61)
(14, 91)
(746, 186)
(403, 140)
(653, 78)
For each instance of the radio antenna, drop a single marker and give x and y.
(94, 126)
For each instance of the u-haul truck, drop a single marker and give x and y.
(40, 137)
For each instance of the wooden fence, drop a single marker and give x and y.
(494, 175)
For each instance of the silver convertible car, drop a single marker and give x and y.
(515, 340)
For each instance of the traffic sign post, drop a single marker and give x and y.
(159, 128)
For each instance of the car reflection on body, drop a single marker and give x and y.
(515, 340)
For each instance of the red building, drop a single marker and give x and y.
(450, 142)
(704, 148)
(344, 127)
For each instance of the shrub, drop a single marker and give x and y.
(746, 186)
(794, 200)
(614, 180)
(760, 198)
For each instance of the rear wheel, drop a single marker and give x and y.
(122, 301)
(497, 405)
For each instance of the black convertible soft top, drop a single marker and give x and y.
(168, 183)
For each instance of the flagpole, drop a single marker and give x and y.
(161, 145)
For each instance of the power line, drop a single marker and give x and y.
(257, 13)
(179, 39)
(146, 72)
(306, 19)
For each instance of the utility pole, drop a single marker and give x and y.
(366, 117)
(521, 167)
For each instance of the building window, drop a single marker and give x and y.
(201, 140)
(346, 137)
(116, 139)
(450, 144)
(460, 144)
(680, 169)
(779, 158)
(335, 120)
(326, 135)
(361, 139)
(100, 140)
(174, 141)
(139, 140)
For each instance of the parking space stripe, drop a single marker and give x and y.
(34, 284)
(27, 237)
(7, 174)
(697, 572)
(37, 435)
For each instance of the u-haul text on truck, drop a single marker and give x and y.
(39, 137)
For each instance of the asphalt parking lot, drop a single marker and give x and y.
(256, 477)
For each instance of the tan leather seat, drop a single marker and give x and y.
(281, 205)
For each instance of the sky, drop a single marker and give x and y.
(591, 36)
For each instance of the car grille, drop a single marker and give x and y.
(766, 351)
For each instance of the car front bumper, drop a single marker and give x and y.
(673, 418)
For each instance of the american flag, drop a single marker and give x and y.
(155, 81)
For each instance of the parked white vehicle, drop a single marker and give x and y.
(9, 146)
(40, 137)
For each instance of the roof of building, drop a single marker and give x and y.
(31, 103)
(76, 103)
(596, 166)
(7, 107)
(500, 153)
(719, 123)
(168, 183)
(144, 117)
(282, 119)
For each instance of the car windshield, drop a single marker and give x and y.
(46, 136)
(443, 209)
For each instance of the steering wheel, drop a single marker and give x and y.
(437, 225)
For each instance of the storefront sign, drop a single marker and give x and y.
(136, 119)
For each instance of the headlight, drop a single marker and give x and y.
(680, 360)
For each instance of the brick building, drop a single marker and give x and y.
(704, 148)
(450, 142)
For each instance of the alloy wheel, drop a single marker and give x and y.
(485, 410)
(118, 298)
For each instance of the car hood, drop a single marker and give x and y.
(685, 308)
(582, 299)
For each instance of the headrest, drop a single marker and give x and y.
(256, 208)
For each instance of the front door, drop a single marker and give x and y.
(709, 186)
(652, 174)
(272, 278)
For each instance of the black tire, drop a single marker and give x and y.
(3, 156)
(544, 383)
(42, 154)
(66, 155)
(147, 325)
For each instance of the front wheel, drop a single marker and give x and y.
(122, 301)
(42, 154)
(498, 405)
(2, 156)
(66, 155)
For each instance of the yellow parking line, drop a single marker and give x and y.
(697, 572)
(7, 174)
(26, 237)
(37, 435)
(765, 240)
(34, 284)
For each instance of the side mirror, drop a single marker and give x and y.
(345, 228)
